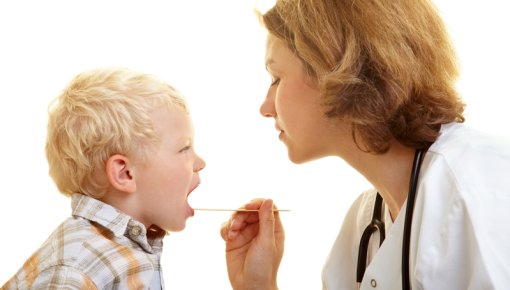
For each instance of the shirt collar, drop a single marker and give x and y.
(119, 223)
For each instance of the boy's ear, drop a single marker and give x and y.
(119, 173)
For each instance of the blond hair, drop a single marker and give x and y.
(386, 66)
(100, 113)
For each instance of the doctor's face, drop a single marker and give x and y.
(293, 100)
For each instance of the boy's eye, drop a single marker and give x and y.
(275, 82)
(185, 149)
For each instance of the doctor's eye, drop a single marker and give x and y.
(275, 82)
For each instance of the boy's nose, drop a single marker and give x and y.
(199, 164)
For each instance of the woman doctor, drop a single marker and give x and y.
(373, 82)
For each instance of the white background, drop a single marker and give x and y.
(213, 52)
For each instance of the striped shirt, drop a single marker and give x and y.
(99, 247)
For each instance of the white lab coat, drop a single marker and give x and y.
(460, 238)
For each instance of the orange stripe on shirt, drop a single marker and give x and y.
(88, 284)
(134, 281)
(133, 278)
(31, 268)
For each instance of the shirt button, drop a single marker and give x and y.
(135, 231)
(373, 283)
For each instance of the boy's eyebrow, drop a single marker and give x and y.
(184, 141)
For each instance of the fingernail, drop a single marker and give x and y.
(232, 234)
(269, 204)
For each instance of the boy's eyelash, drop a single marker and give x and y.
(185, 148)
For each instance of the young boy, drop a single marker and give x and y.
(120, 144)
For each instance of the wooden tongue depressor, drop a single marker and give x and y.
(237, 209)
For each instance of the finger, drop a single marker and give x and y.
(237, 223)
(239, 220)
(267, 219)
(225, 227)
(254, 203)
(241, 238)
(279, 232)
(278, 226)
(234, 224)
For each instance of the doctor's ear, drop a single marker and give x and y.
(119, 173)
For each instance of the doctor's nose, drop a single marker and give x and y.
(267, 109)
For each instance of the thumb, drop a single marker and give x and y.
(266, 219)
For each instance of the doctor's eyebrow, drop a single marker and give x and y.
(268, 62)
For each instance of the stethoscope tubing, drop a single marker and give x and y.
(411, 197)
(377, 225)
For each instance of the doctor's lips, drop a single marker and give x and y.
(281, 132)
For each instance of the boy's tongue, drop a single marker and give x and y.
(191, 211)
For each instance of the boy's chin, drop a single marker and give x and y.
(176, 227)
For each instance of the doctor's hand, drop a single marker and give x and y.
(254, 246)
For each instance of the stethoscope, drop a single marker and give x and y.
(377, 225)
